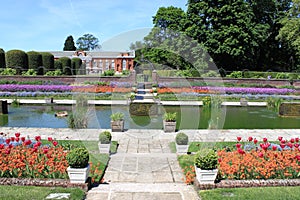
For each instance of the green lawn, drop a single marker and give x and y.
(263, 193)
(36, 193)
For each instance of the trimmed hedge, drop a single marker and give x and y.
(66, 65)
(35, 61)
(48, 61)
(76, 64)
(2, 58)
(17, 59)
(57, 65)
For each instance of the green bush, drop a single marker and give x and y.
(170, 117)
(211, 73)
(105, 137)
(235, 74)
(281, 76)
(35, 61)
(125, 72)
(47, 61)
(206, 159)
(54, 73)
(181, 139)
(58, 65)
(8, 71)
(76, 64)
(110, 72)
(117, 116)
(17, 59)
(78, 157)
(30, 72)
(2, 58)
(66, 65)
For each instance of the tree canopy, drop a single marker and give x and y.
(69, 44)
(88, 42)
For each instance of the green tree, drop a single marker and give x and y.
(88, 42)
(290, 31)
(66, 65)
(2, 58)
(48, 61)
(35, 61)
(17, 59)
(58, 65)
(69, 44)
(76, 64)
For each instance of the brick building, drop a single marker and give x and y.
(97, 62)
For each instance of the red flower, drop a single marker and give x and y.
(10, 146)
(7, 141)
(260, 154)
(282, 145)
(250, 138)
(48, 156)
(12, 139)
(45, 150)
(27, 142)
(274, 148)
(1, 146)
(290, 145)
(297, 139)
(298, 157)
(50, 139)
(37, 144)
(238, 145)
(282, 141)
(55, 143)
(17, 135)
(296, 145)
(7, 151)
(239, 138)
(265, 140)
(255, 141)
(34, 149)
(22, 139)
(279, 138)
(292, 140)
(241, 151)
(17, 139)
(38, 138)
(219, 160)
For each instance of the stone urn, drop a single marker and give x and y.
(117, 126)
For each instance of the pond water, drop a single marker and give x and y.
(189, 117)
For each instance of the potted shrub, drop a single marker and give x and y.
(206, 163)
(78, 170)
(104, 142)
(117, 122)
(181, 142)
(169, 122)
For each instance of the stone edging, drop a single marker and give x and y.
(248, 183)
(43, 182)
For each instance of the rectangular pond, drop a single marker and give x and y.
(188, 117)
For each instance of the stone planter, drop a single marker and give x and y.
(49, 100)
(104, 148)
(206, 176)
(182, 148)
(169, 126)
(78, 175)
(117, 126)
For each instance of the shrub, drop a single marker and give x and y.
(78, 157)
(117, 116)
(105, 137)
(47, 61)
(58, 65)
(66, 65)
(235, 74)
(211, 73)
(182, 139)
(206, 159)
(2, 58)
(125, 72)
(54, 73)
(35, 61)
(76, 64)
(170, 117)
(30, 72)
(110, 72)
(17, 59)
(8, 71)
(281, 76)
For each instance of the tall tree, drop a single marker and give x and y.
(88, 42)
(69, 44)
(2, 58)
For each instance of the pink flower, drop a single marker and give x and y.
(296, 145)
(282, 141)
(37, 138)
(238, 145)
(250, 138)
(239, 138)
(45, 150)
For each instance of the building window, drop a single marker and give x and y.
(124, 65)
(106, 65)
(113, 64)
(101, 65)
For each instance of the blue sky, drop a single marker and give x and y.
(42, 25)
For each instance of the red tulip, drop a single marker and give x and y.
(1, 146)
(298, 157)
(292, 140)
(22, 139)
(238, 145)
(7, 141)
(12, 139)
(10, 146)
(239, 138)
(274, 148)
(38, 138)
(45, 150)
(297, 139)
(50, 139)
(250, 138)
(279, 138)
(241, 151)
(260, 154)
(48, 156)
(290, 145)
(296, 145)
(265, 140)
(55, 143)
(17, 139)
(219, 160)
(255, 141)
(7, 151)
(17, 135)
(34, 149)
(27, 142)
(282, 145)
(282, 141)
